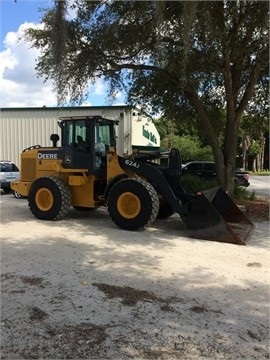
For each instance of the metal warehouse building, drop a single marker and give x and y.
(21, 128)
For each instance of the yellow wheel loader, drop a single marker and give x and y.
(86, 172)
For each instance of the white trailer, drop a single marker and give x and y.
(24, 127)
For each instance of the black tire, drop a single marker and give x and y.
(165, 210)
(49, 198)
(133, 204)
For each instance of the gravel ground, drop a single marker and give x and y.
(81, 288)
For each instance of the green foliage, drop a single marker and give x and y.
(189, 144)
(194, 184)
(191, 148)
(249, 125)
(255, 148)
(261, 173)
(241, 192)
(165, 127)
(167, 48)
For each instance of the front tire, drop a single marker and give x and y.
(49, 198)
(133, 204)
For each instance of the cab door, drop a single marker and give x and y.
(77, 150)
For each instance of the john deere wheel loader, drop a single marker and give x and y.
(85, 172)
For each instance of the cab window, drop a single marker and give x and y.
(76, 135)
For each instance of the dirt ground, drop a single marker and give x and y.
(256, 210)
(81, 288)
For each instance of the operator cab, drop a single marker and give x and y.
(85, 142)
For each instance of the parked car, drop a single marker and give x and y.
(207, 170)
(8, 173)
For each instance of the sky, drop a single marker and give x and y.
(20, 86)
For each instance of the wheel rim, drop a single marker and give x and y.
(128, 205)
(17, 195)
(44, 199)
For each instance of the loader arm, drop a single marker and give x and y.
(209, 215)
(164, 180)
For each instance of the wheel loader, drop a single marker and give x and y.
(86, 172)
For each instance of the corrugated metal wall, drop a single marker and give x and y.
(24, 127)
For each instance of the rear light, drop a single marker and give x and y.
(246, 176)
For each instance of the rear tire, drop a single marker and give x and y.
(133, 204)
(49, 198)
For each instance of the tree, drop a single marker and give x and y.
(186, 140)
(254, 139)
(203, 57)
(191, 149)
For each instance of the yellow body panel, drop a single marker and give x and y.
(74, 180)
(82, 186)
(83, 196)
(21, 187)
(113, 167)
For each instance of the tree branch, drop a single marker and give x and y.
(254, 76)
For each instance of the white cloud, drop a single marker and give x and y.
(20, 86)
(98, 88)
(86, 103)
(118, 95)
(101, 88)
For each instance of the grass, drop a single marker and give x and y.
(241, 192)
(260, 173)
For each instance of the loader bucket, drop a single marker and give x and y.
(212, 215)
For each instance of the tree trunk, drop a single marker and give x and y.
(262, 141)
(170, 137)
(245, 147)
(211, 135)
(254, 168)
(230, 150)
(234, 113)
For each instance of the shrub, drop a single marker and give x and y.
(193, 184)
(241, 192)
